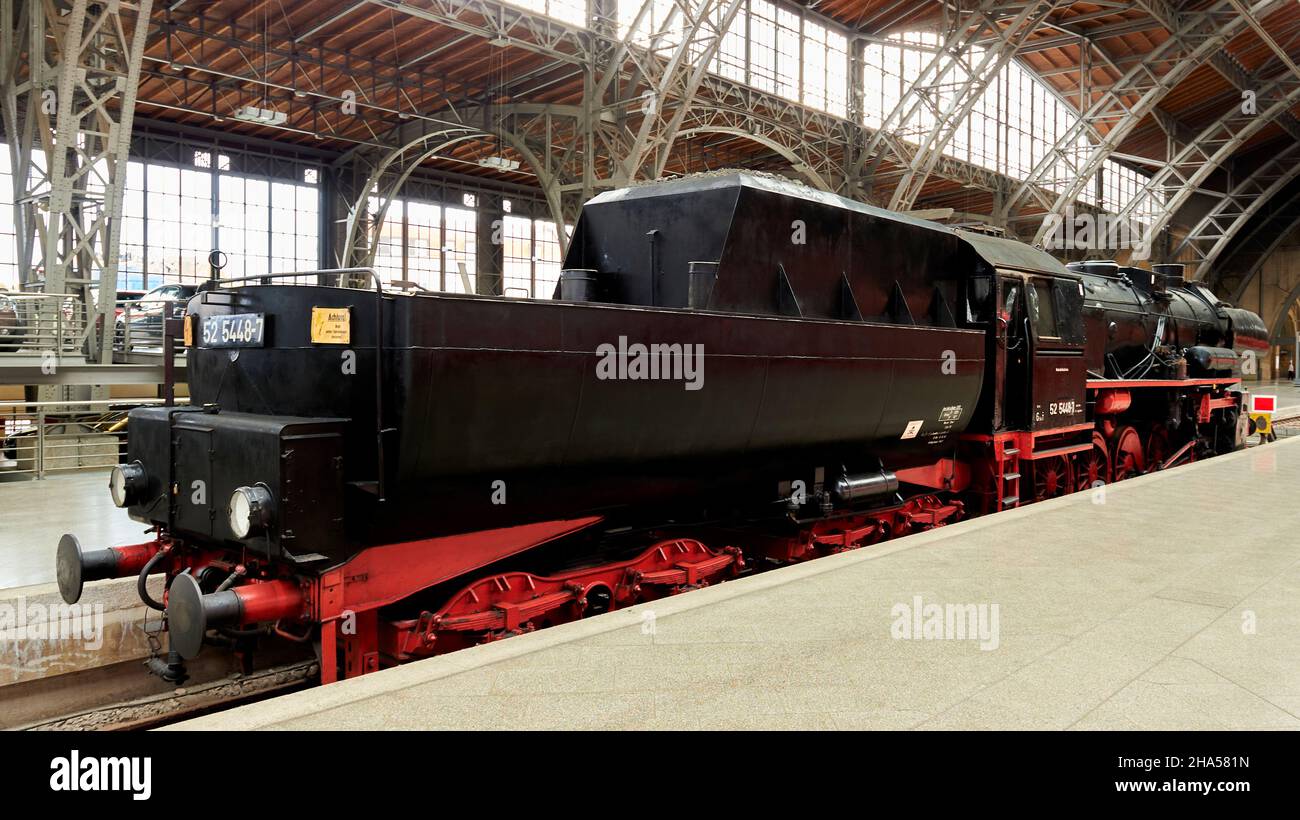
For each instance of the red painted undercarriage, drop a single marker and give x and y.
(370, 616)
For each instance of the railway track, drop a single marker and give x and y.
(123, 696)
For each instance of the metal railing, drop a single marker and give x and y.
(40, 323)
(43, 438)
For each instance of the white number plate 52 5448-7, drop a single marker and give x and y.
(233, 330)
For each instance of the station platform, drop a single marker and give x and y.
(34, 515)
(1169, 601)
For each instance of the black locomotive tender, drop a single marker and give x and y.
(448, 469)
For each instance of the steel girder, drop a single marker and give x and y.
(76, 105)
(1235, 209)
(499, 21)
(942, 92)
(685, 96)
(926, 158)
(545, 136)
(1181, 176)
(675, 80)
(1284, 310)
(388, 174)
(1235, 73)
(815, 144)
(825, 153)
(1194, 36)
(571, 140)
(1278, 237)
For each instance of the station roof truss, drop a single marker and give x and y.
(506, 93)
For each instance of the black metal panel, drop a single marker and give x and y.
(150, 444)
(298, 459)
(194, 460)
(478, 389)
(197, 500)
(782, 249)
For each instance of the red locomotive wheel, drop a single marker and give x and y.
(1093, 466)
(1052, 477)
(1157, 447)
(1129, 458)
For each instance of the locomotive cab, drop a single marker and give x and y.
(1052, 393)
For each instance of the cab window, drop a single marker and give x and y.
(1009, 296)
(979, 299)
(1042, 309)
(1068, 305)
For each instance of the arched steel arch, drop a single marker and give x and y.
(1279, 236)
(1182, 175)
(528, 128)
(677, 79)
(936, 91)
(1195, 35)
(921, 160)
(1283, 309)
(1216, 230)
(806, 141)
(796, 162)
(427, 145)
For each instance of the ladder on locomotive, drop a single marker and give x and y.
(1006, 468)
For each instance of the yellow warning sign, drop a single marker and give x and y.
(331, 326)
(1263, 422)
(189, 330)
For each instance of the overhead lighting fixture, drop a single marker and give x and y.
(265, 116)
(300, 94)
(499, 42)
(499, 163)
(175, 66)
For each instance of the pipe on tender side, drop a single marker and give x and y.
(855, 487)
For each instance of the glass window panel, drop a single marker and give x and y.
(424, 244)
(458, 249)
(548, 259)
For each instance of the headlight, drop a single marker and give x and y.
(250, 511)
(126, 483)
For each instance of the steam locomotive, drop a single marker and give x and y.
(737, 371)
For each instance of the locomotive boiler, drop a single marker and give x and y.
(737, 372)
(1151, 323)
